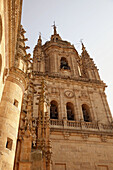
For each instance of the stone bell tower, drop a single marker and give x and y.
(81, 132)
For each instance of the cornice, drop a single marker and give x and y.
(73, 79)
(18, 77)
(83, 131)
(59, 44)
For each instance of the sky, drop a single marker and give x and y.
(88, 20)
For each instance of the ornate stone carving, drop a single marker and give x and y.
(83, 95)
(54, 90)
(103, 138)
(69, 94)
(5, 74)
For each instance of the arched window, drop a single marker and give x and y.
(53, 110)
(86, 113)
(70, 111)
(64, 64)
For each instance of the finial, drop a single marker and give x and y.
(83, 47)
(39, 39)
(54, 27)
(39, 35)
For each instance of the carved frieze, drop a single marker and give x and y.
(83, 95)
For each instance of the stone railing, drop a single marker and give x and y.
(91, 125)
(79, 125)
(109, 127)
(67, 124)
(73, 124)
(56, 122)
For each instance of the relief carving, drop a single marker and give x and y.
(54, 90)
(69, 94)
(83, 95)
(5, 74)
(103, 138)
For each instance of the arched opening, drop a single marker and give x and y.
(86, 113)
(70, 111)
(64, 64)
(53, 110)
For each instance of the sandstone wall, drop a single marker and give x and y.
(81, 152)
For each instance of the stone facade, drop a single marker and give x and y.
(78, 141)
(54, 113)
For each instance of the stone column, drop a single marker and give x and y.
(62, 105)
(10, 108)
(93, 110)
(79, 114)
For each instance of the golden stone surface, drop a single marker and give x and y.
(54, 113)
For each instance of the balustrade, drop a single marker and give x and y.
(77, 124)
(56, 122)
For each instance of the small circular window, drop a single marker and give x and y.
(0, 28)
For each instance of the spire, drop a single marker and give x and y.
(84, 51)
(43, 126)
(55, 37)
(39, 39)
(88, 66)
(83, 47)
(54, 27)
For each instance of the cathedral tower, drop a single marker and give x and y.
(81, 132)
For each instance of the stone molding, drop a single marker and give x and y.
(18, 77)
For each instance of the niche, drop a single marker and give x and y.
(9, 143)
(54, 110)
(15, 103)
(86, 113)
(70, 111)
